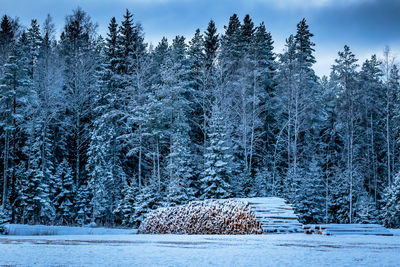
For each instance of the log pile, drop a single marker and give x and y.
(230, 217)
(314, 229)
(346, 229)
(275, 215)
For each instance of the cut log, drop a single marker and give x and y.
(347, 229)
(230, 216)
(203, 217)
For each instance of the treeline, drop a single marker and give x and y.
(104, 129)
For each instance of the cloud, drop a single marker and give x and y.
(147, 2)
(305, 4)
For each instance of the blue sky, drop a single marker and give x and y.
(365, 25)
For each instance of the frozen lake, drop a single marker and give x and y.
(196, 250)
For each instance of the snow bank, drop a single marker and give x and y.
(203, 217)
(22, 229)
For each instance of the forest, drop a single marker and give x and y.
(105, 128)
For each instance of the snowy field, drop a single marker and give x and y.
(197, 250)
(25, 230)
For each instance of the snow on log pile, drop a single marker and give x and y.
(275, 215)
(203, 217)
(347, 229)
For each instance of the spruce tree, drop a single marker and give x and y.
(391, 207)
(216, 181)
(64, 197)
(310, 196)
(211, 44)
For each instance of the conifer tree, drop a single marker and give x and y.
(15, 93)
(391, 208)
(216, 181)
(77, 47)
(346, 77)
(310, 197)
(64, 195)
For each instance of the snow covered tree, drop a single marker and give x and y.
(391, 207)
(8, 36)
(365, 209)
(101, 180)
(372, 112)
(64, 194)
(77, 50)
(394, 84)
(126, 208)
(310, 201)
(346, 77)
(180, 189)
(146, 200)
(82, 205)
(297, 105)
(104, 130)
(14, 92)
(216, 181)
(34, 39)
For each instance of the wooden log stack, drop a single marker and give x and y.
(346, 229)
(230, 217)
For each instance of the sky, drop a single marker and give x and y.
(367, 26)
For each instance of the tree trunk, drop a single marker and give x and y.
(140, 158)
(5, 178)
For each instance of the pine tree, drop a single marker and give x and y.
(176, 107)
(126, 44)
(100, 171)
(283, 155)
(7, 40)
(304, 88)
(211, 44)
(15, 92)
(82, 205)
(394, 84)
(391, 208)
(346, 77)
(262, 122)
(372, 113)
(216, 181)
(34, 39)
(64, 195)
(146, 200)
(77, 51)
(310, 196)
(180, 188)
(126, 208)
(40, 208)
(105, 173)
(366, 209)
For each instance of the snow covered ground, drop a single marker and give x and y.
(23, 229)
(200, 250)
(395, 231)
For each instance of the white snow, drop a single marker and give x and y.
(395, 231)
(22, 229)
(348, 229)
(200, 250)
(274, 214)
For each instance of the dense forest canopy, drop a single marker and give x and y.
(106, 128)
